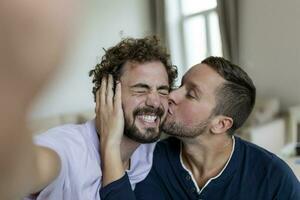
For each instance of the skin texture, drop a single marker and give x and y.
(142, 85)
(145, 87)
(192, 103)
(32, 45)
(206, 145)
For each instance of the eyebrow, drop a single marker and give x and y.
(163, 87)
(142, 85)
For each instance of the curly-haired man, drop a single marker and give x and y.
(70, 154)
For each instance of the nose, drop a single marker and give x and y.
(153, 100)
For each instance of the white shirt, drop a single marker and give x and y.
(80, 174)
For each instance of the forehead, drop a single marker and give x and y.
(151, 73)
(203, 77)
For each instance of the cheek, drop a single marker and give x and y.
(192, 115)
(130, 103)
(188, 115)
(127, 105)
(165, 103)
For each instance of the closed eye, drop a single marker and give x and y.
(191, 95)
(142, 91)
(163, 92)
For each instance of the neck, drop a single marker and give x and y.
(206, 155)
(127, 148)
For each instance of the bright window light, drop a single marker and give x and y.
(193, 6)
(195, 40)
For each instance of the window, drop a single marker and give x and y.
(194, 26)
(201, 34)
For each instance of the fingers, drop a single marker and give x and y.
(118, 98)
(97, 101)
(103, 91)
(109, 91)
(105, 94)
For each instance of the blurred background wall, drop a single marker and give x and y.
(269, 50)
(104, 23)
(260, 35)
(270, 47)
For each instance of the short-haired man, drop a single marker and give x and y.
(69, 156)
(204, 159)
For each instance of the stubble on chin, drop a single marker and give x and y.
(179, 130)
(149, 135)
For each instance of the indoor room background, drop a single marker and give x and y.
(262, 37)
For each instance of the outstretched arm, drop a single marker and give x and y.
(33, 35)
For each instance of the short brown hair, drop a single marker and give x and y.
(136, 50)
(236, 97)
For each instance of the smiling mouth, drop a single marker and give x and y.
(148, 120)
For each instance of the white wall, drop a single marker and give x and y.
(104, 23)
(270, 47)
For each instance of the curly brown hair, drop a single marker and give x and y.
(136, 50)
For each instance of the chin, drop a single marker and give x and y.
(143, 140)
(143, 137)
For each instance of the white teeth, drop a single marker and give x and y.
(149, 118)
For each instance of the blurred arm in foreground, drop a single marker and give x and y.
(33, 38)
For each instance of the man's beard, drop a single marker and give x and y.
(150, 134)
(180, 130)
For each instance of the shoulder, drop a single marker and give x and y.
(63, 130)
(266, 163)
(65, 139)
(64, 133)
(253, 152)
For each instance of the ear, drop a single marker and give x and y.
(221, 124)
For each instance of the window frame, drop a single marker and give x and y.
(183, 18)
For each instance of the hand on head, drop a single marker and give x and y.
(109, 112)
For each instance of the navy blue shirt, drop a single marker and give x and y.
(252, 173)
